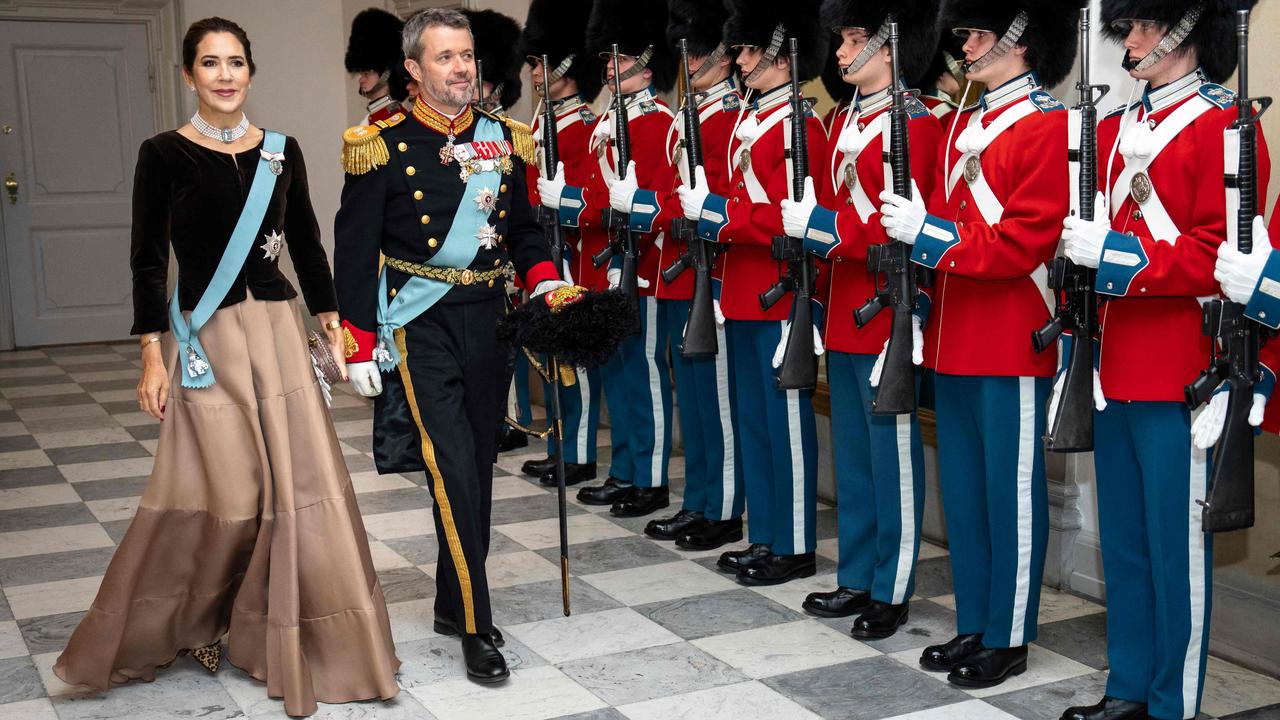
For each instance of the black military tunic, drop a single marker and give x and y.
(440, 405)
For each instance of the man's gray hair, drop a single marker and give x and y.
(411, 36)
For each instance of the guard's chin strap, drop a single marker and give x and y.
(1010, 39)
(560, 70)
(953, 66)
(493, 100)
(712, 60)
(873, 46)
(638, 67)
(1169, 42)
(770, 53)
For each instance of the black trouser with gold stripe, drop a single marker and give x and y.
(454, 371)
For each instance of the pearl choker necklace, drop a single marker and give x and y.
(226, 135)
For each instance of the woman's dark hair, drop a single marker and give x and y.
(200, 28)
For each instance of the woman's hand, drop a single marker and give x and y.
(337, 341)
(153, 388)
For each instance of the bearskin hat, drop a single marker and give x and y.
(700, 22)
(948, 45)
(1213, 36)
(837, 88)
(1050, 37)
(558, 29)
(752, 22)
(635, 25)
(917, 26)
(375, 42)
(497, 40)
(585, 333)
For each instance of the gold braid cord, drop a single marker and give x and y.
(540, 434)
(363, 149)
(567, 376)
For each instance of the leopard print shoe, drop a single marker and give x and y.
(209, 656)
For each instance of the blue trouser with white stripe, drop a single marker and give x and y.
(1157, 561)
(712, 470)
(637, 386)
(777, 440)
(523, 409)
(580, 406)
(991, 468)
(879, 484)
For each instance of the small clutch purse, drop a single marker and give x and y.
(322, 362)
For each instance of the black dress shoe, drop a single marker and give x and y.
(989, 667)
(941, 658)
(735, 561)
(537, 468)
(448, 626)
(711, 534)
(777, 569)
(641, 501)
(669, 528)
(510, 438)
(880, 620)
(484, 663)
(574, 473)
(841, 602)
(609, 493)
(1108, 708)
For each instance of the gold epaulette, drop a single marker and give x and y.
(521, 136)
(363, 149)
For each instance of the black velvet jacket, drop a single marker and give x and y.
(190, 197)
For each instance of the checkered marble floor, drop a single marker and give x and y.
(655, 632)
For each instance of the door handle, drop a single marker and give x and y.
(11, 187)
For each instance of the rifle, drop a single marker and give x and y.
(896, 393)
(1236, 339)
(622, 241)
(1071, 427)
(799, 369)
(551, 226)
(700, 330)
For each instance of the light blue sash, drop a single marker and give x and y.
(196, 371)
(459, 249)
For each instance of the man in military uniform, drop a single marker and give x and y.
(373, 51)
(442, 196)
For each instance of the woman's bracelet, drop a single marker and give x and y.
(148, 340)
(333, 325)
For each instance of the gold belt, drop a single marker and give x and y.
(453, 276)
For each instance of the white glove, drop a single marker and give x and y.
(547, 286)
(1083, 239)
(795, 213)
(1207, 428)
(366, 378)
(614, 276)
(1239, 273)
(818, 348)
(715, 308)
(1099, 400)
(692, 199)
(551, 190)
(902, 219)
(917, 351)
(622, 192)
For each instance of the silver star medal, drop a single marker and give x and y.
(273, 245)
(488, 237)
(486, 201)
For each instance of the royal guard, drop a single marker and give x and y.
(498, 57)
(840, 91)
(777, 435)
(637, 384)
(558, 29)
(942, 82)
(990, 229)
(1155, 252)
(373, 51)
(879, 459)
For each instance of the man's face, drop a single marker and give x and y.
(778, 72)
(853, 41)
(977, 43)
(1141, 37)
(633, 84)
(370, 84)
(446, 72)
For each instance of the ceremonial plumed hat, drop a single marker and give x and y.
(700, 22)
(558, 29)
(1050, 35)
(837, 88)
(375, 41)
(752, 22)
(917, 26)
(1213, 35)
(636, 26)
(497, 41)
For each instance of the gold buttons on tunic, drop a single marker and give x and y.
(432, 242)
(1137, 214)
(502, 187)
(496, 263)
(490, 283)
(402, 147)
(393, 292)
(417, 194)
(502, 213)
(409, 170)
(426, 219)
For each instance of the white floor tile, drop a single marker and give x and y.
(119, 395)
(519, 568)
(928, 550)
(64, 411)
(534, 693)
(513, 487)
(78, 438)
(744, 701)
(539, 534)
(403, 523)
(24, 459)
(38, 709)
(52, 683)
(70, 361)
(969, 710)
(1043, 667)
(384, 558)
(52, 540)
(26, 391)
(107, 469)
(582, 636)
(780, 649)
(655, 583)
(52, 598)
(38, 496)
(10, 429)
(411, 620)
(1230, 689)
(1056, 605)
(792, 594)
(371, 481)
(113, 509)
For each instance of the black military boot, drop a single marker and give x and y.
(669, 528)
(711, 534)
(485, 663)
(941, 658)
(841, 602)
(449, 627)
(777, 569)
(641, 501)
(510, 438)
(609, 493)
(989, 667)
(880, 620)
(536, 468)
(736, 560)
(574, 473)
(1108, 708)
